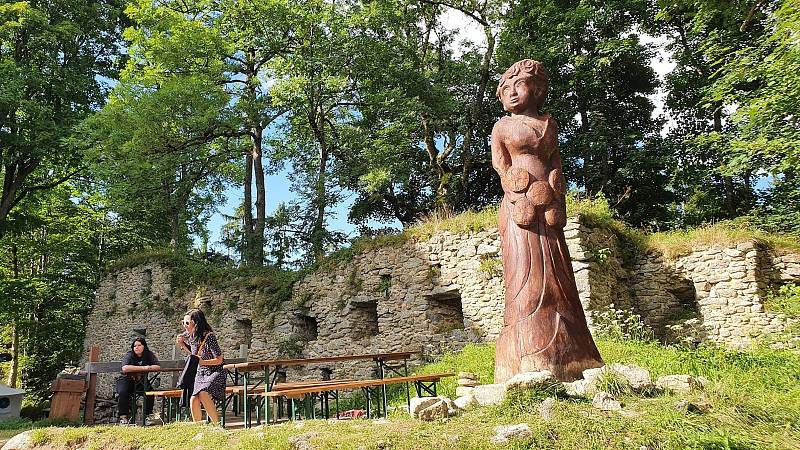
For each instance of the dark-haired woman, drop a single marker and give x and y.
(209, 384)
(139, 356)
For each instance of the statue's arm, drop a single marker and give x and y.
(501, 159)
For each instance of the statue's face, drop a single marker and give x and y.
(515, 95)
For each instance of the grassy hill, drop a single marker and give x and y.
(754, 398)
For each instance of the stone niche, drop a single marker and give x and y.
(437, 295)
(364, 319)
(446, 311)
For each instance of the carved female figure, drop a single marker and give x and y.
(544, 324)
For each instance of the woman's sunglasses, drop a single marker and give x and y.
(186, 323)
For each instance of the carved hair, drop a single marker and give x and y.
(532, 72)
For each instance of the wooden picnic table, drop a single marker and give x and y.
(256, 365)
(271, 367)
(426, 382)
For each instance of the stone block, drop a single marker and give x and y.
(606, 402)
(531, 380)
(638, 377)
(420, 403)
(506, 433)
(465, 401)
(438, 410)
(681, 384)
(489, 394)
(464, 390)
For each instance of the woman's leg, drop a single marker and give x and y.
(209, 405)
(124, 389)
(195, 406)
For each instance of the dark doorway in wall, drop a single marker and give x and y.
(446, 312)
(306, 327)
(685, 292)
(244, 331)
(364, 317)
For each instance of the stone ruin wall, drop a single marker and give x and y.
(435, 295)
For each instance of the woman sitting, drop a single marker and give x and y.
(139, 357)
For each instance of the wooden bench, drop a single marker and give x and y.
(172, 410)
(426, 383)
(266, 371)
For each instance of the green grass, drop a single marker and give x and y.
(680, 242)
(785, 300)
(12, 427)
(754, 397)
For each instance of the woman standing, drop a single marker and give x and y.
(544, 327)
(209, 384)
(139, 357)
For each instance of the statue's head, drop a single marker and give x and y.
(529, 72)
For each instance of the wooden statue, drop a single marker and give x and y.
(544, 327)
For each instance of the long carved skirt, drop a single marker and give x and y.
(544, 324)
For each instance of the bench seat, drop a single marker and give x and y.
(356, 384)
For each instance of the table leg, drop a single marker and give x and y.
(369, 401)
(246, 401)
(408, 391)
(267, 389)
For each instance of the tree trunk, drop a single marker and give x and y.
(475, 110)
(247, 206)
(14, 175)
(258, 173)
(727, 180)
(584, 131)
(254, 171)
(12, 372)
(317, 123)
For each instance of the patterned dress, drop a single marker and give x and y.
(209, 378)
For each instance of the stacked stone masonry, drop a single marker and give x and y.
(436, 295)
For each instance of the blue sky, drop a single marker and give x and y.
(278, 190)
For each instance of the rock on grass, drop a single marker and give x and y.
(505, 433)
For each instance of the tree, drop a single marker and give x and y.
(701, 37)
(763, 80)
(230, 43)
(600, 78)
(50, 263)
(315, 86)
(53, 58)
(422, 139)
(161, 152)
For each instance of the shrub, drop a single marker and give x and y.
(784, 300)
(621, 324)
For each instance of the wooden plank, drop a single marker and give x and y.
(358, 384)
(256, 365)
(166, 365)
(62, 385)
(286, 386)
(91, 392)
(178, 392)
(167, 393)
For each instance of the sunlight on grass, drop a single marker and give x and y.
(754, 398)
